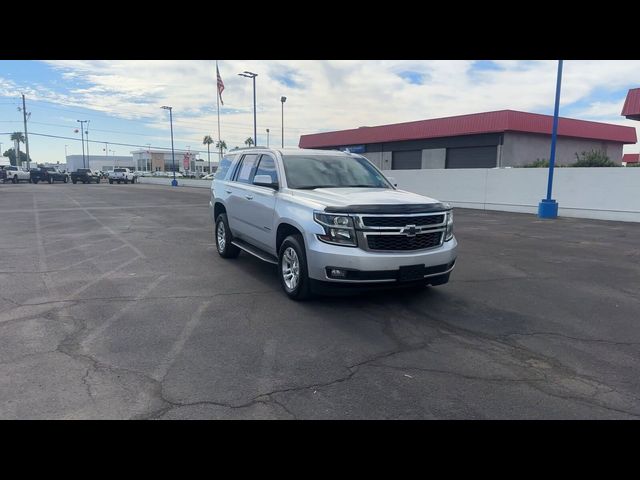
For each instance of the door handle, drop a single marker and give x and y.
(249, 197)
(228, 191)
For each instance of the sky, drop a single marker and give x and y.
(122, 99)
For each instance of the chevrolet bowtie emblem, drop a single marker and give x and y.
(410, 230)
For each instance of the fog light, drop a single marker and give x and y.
(337, 273)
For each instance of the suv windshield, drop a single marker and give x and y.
(118, 170)
(326, 171)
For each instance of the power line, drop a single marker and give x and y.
(131, 112)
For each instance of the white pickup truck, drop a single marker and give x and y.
(16, 174)
(122, 175)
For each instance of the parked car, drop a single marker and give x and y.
(48, 174)
(124, 175)
(85, 175)
(16, 174)
(329, 218)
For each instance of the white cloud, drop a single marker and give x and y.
(328, 95)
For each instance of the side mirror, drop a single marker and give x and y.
(393, 181)
(265, 181)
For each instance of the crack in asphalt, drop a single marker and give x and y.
(568, 337)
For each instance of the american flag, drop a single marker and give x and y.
(220, 84)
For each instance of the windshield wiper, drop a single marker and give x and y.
(312, 187)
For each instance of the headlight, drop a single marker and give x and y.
(448, 234)
(338, 229)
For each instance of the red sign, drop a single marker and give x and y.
(185, 162)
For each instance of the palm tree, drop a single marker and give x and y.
(207, 140)
(18, 137)
(248, 142)
(222, 145)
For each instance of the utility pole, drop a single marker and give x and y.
(26, 134)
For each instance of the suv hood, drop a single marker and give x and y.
(339, 199)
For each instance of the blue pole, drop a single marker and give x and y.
(548, 208)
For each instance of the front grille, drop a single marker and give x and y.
(403, 242)
(403, 221)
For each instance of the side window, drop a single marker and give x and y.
(224, 166)
(267, 167)
(247, 167)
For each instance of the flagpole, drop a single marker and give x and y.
(218, 108)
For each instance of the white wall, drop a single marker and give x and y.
(600, 193)
(181, 182)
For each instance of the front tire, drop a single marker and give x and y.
(74, 181)
(50, 180)
(292, 268)
(224, 238)
(66, 180)
(35, 182)
(14, 179)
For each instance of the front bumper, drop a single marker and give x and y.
(375, 267)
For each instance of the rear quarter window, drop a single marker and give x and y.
(223, 168)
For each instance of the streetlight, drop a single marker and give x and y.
(88, 156)
(174, 182)
(267, 138)
(548, 208)
(282, 100)
(65, 152)
(255, 130)
(82, 122)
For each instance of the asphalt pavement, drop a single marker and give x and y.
(115, 304)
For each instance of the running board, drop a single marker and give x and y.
(255, 251)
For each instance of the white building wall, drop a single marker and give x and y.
(599, 193)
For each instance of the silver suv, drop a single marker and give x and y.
(328, 218)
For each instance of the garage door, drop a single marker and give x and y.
(471, 157)
(408, 160)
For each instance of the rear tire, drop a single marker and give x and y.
(110, 182)
(292, 268)
(74, 181)
(98, 180)
(35, 182)
(14, 179)
(66, 180)
(224, 238)
(50, 180)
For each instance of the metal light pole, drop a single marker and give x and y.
(282, 100)
(267, 138)
(88, 156)
(84, 165)
(255, 129)
(174, 182)
(548, 208)
(65, 153)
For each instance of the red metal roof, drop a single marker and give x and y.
(488, 122)
(631, 157)
(631, 108)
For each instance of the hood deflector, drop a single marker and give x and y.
(392, 208)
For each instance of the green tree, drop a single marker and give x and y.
(248, 142)
(593, 158)
(19, 136)
(11, 153)
(207, 140)
(221, 145)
